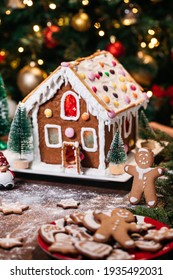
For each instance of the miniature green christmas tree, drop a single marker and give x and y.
(20, 136)
(4, 114)
(116, 155)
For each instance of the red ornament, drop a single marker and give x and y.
(158, 91)
(116, 49)
(48, 32)
(2, 56)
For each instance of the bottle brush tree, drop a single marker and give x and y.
(117, 154)
(20, 136)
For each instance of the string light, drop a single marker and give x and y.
(40, 62)
(135, 10)
(145, 57)
(112, 39)
(116, 24)
(149, 93)
(20, 49)
(153, 43)
(32, 64)
(36, 28)
(15, 63)
(2, 53)
(52, 6)
(63, 21)
(151, 31)
(101, 33)
(97, 25)
(7, 12)
(29, 3)
(85, 2)
(143, 45)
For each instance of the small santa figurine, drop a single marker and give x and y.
(6, 175)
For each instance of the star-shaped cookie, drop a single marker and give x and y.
(12, 208)
(9, 242)
(68, 203)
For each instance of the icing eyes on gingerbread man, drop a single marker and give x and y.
(144, 177)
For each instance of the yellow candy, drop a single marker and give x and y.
(131, 143)
(82, 76)
(124, 88)
(114, 85)
(122, 79)
(116, 103)
(48, 113)
(106, 98)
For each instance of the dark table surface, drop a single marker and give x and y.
(42, 193)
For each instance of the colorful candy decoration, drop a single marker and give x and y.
(106, 98)
(48, 113)
(69, 132)
(91, 76)
(85, 116)
(127, 99)
(94, 89)
(65, 64)
(111, 114)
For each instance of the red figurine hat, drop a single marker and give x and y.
(3, 160)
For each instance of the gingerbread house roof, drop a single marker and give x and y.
(99, 79)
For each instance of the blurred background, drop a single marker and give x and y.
(37, 35)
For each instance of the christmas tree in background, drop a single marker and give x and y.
(4, 115)
(145, 131)
(20, 136)
(36, 36)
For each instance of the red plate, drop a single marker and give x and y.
(138, 255)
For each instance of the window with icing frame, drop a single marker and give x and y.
(70, 106)
(89, 139)
(53, 135)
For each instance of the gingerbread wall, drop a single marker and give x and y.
(53, 155)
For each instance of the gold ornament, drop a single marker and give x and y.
(16, 4)
(29, 78)
(81, 22)
(142, 76)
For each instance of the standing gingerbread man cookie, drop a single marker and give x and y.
(144, 177)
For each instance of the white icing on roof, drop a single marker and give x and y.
(99, 79)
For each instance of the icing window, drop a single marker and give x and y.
(127, 125)
(53, 136)
(70, 106)
(89, 139)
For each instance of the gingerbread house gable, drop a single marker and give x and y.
(109, 92)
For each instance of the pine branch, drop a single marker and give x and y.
(159, 214)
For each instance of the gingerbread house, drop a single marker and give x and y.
(77, 109)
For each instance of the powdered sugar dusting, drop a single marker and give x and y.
(42, 198)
